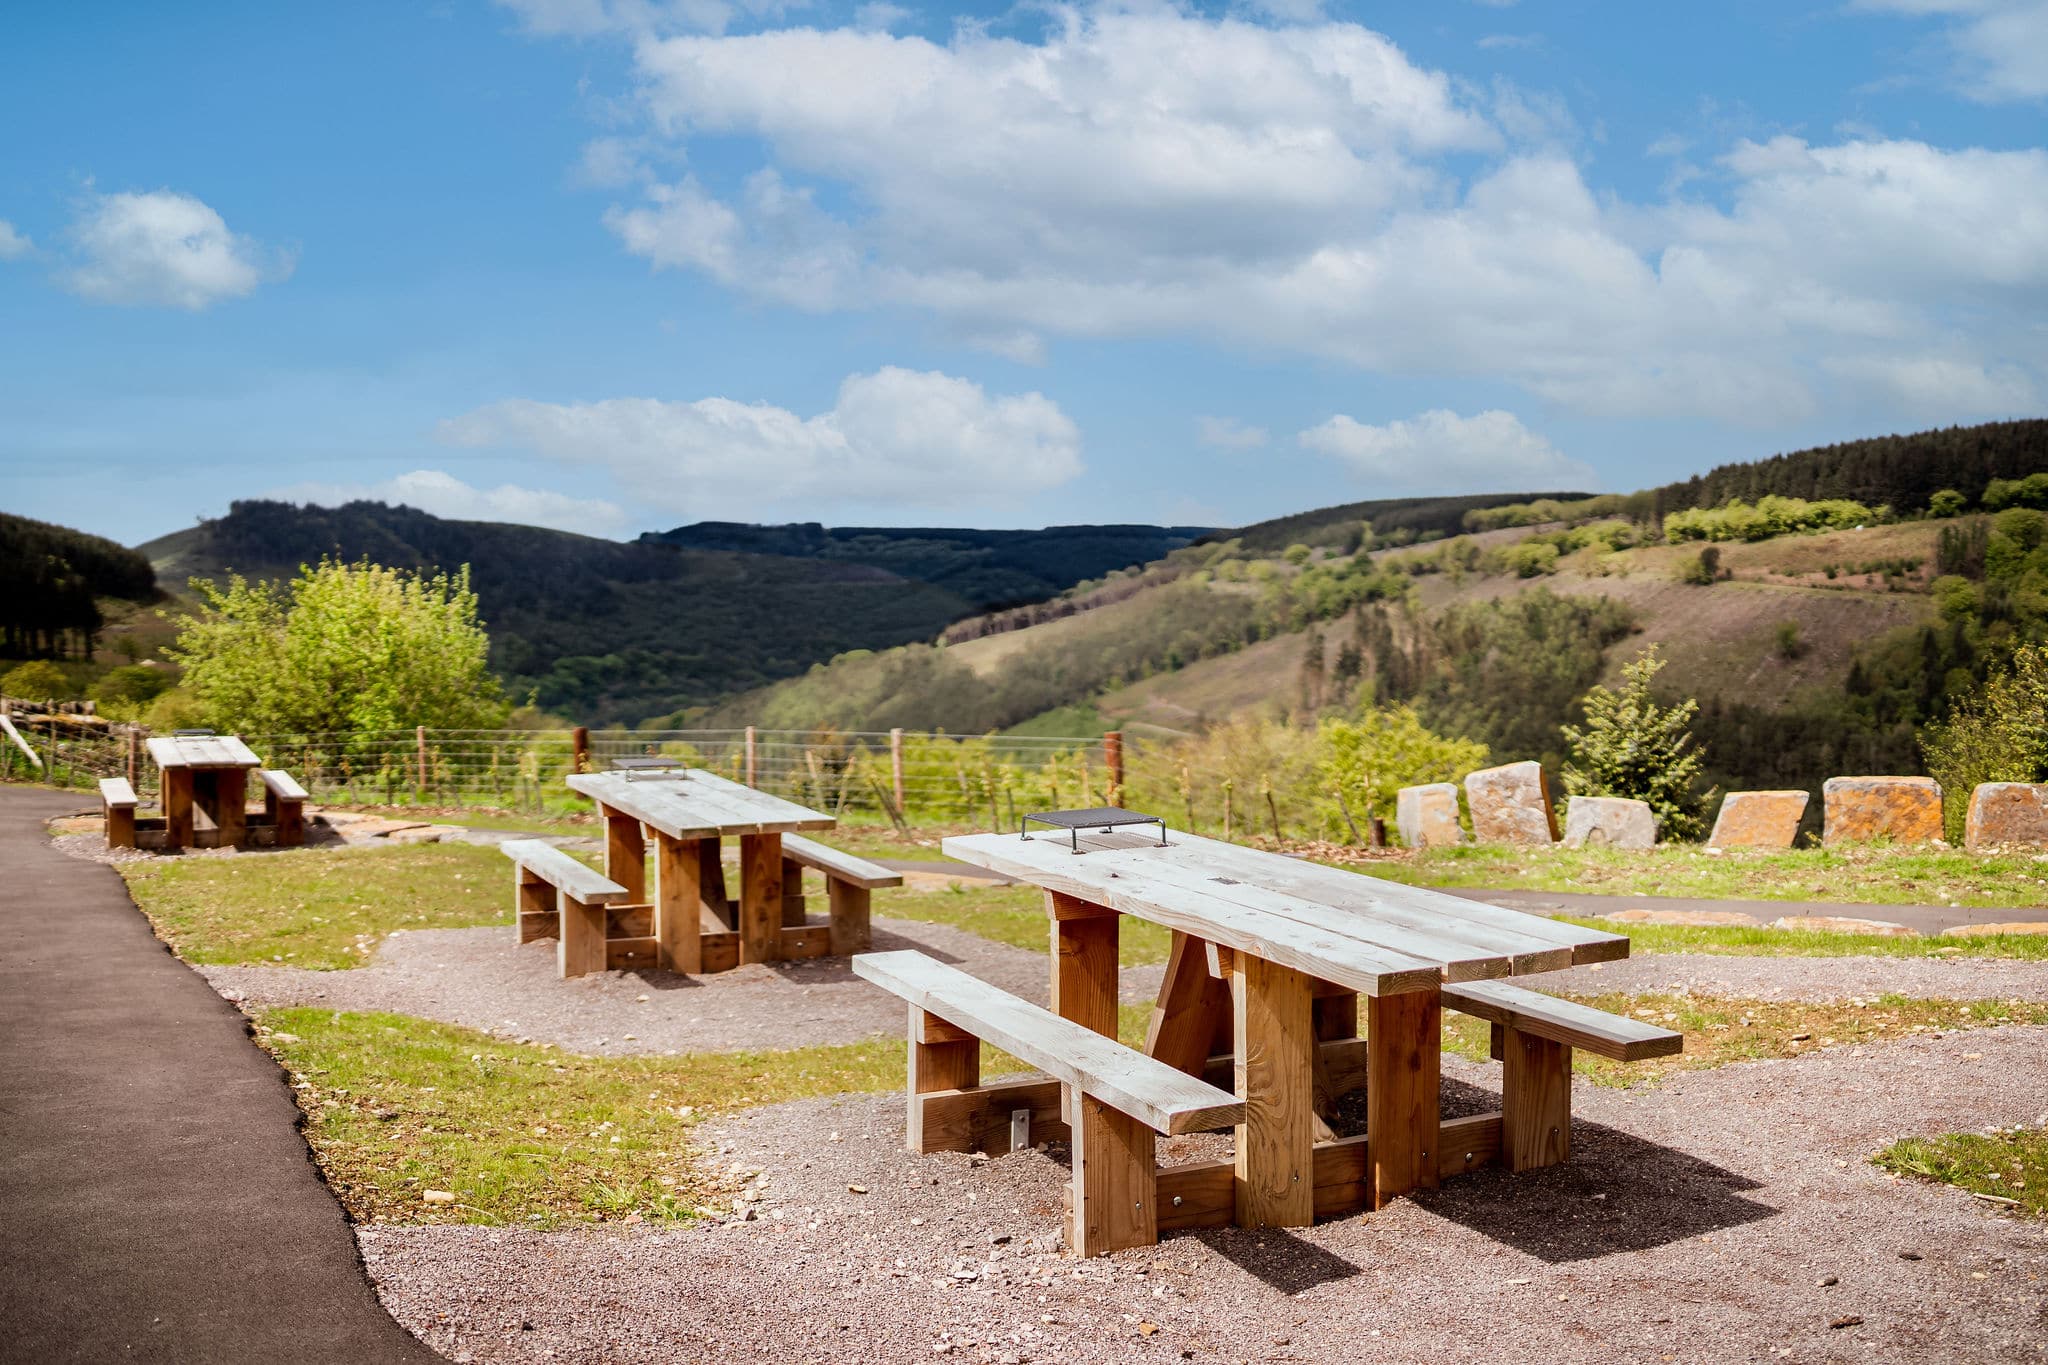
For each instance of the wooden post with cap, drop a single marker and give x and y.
(1113, 759)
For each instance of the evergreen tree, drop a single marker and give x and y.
(1632, 746)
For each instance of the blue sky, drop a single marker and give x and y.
(622, 264)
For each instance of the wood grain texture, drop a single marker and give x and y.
(951, 1061)
(978, 1120)
(792, 892)
(537, 915)
(839, 866)
(625, 852)
(1191, 1008)
(563, 872)
(851, 918)
(1084, 966)
(760, 898)
(678, 913)
(580, 949)
(1115, 1174)
(711, 885)
(175, 791)
(1404, 1042)
(1563, 1021)
(697, 805)
(1535, 1101)
(1276, 1140)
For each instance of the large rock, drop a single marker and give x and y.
(1844, 924)
(1511, 805)
(1758, 820)
(1906, 810)
(1427, 816)
(1688, 919)
(2002, 813)
(1609, 822)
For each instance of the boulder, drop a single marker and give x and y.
(2023, 926)
(1906, 810)
(1511, 805)
(1697, 919)
(1758, 820)
(2002, 813)
(1844, 924)
(1427, 816)
(1609, 822)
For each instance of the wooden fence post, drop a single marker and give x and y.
(579, 741)
(750, 757)
(419, 735)
(1113, 759)
(896, 765)
(134, 755)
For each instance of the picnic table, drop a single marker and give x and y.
(689, 923)
(204, 786)
(1270, 956)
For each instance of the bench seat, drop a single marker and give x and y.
(1120, 1101)
(118, 802)
(559, 895)
(849, 884)
(1533, 1038)
(284, 806)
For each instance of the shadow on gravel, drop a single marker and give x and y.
(1279, 1258)
(1618, 1193)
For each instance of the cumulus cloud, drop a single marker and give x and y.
(166, 249)
(1309, 188)
(13, 244)
(2000, 46)
(1441, 452)
(893, 437)
(1228, 433)
(444, 495)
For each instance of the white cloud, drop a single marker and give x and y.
(879, 15)
(893, 437)
(163, 248)
(13, 244)
(1310, 189)
(2000, 46)
(444, 495)
(1441, 452)
(1228, 433)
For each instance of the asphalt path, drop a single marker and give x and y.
(156, 1199)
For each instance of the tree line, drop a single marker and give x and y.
(53, 575)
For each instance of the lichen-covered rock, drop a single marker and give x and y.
(1906, 810)
(1844, 924)
(1758, 820)
(1610, 822)
(1511, 805)
(1427, 816)
(2002, 813)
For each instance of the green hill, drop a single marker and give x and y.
(54, 579)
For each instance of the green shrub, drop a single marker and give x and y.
(1530, 559)
(36, 680)
(1631, 746)
(1947, 503)
(1998, 733)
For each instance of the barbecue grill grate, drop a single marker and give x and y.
(1103, 818)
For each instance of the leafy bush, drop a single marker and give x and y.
(1998, 733)
(1704, 568)
(2031, 491)
(36, 680)
(1771, 516)
(1947, 503)
(1530, 559)
(1371, 758)
(1789, 645)
(1633, 747)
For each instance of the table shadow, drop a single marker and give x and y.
(1278, 1257)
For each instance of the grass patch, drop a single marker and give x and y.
(1740, 940)
(2008, 1165)
(323, 908)
(1862, 876)
(1719, 1031)
(1014, 915)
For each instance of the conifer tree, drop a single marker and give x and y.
(1631, 746)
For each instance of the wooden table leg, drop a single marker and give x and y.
(1084, 965)
(851, 917)
(1535, 1101)
(231, 805)
(1191, 1002)
(1115, 1181)
(580, 950)
(1275, 1185)
(760, 898)
(1404, 1047)
(625, 853)
(175, 786)
(678, 904)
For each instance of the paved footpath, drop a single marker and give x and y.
(156, 1199)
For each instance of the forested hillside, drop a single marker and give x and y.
(51, 578)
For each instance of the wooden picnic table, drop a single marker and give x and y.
(206, 773)
(695, 926)
(1272, 953)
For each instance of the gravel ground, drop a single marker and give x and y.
(482, 979)
(1809, 978)
(1699, 1221)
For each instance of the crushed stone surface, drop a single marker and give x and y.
(482, 979)
(1808, 978)
(1727, 1215)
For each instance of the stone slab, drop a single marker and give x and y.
(1758, 820)
(1609, 822)
(2008, 927)
(2007, 815)
(1427, 816)
(1906, 810)
(1844, 924)
(1710, 919)
(1511, 805)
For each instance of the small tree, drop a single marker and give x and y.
(1996, 734)
(38, 680)
(1631, 746)
(1947, 503)
(1368, 760)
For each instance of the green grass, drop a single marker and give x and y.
(1014, 915)
(1864, 876)
(1719, 1031)
(1741, 940)
(317, 908)
(2007, 1165)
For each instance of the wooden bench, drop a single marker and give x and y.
(118, 803)
(849, 882)
(1120, 1099)
(1533, 1038)
(558, 895)
(284, 806)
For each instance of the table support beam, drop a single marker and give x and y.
(625, 853)
(176, 784)
(1404, 1043)
(760, 898)
(1535, 1101)
(678, 900)
(1192, 1011)
(231, 805)
(1084, 962)
(711, 884)
(1115, 1203)
(1275, 1160)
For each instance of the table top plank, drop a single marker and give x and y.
(1341, 958)
(693, 808)
(201, 751)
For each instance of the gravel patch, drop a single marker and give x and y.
(481, 979)
(1728, 1215)
(1809, 978)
